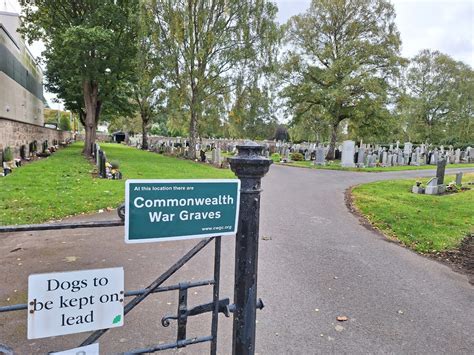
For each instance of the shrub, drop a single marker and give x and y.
(276, 157)
(7, 154)
(296, 156)
(64, 123)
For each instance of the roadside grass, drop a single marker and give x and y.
(335, 166)
(424, 223)
(64, 184)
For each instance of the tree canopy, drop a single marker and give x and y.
(88, 44)
(343, 57)
(436, 104)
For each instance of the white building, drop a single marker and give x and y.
(21, 78)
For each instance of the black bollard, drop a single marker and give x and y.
(249, 166)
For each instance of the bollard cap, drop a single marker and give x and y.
(250, 162)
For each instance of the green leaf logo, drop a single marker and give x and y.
(117, 319)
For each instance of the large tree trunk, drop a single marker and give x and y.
(193, 135)
(91, 91)
(332, 145)
(144, 132)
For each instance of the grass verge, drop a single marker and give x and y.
(63, 184)
(336, 166)
(425, 223)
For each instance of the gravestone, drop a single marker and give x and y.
(371, 160)
(435, 157)
(440, 171)
(202, 154)
(459, 179)
(432, 187)
(401, 160)
(307, 155)
(218, 157)
(347, 160)
(320, 156)
(457, 156)
(23, 152)
(361, 157)
(384, 158)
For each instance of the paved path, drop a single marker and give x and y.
(319, 264)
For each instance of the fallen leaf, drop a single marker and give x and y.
(339, 328)
(342, 318)
(70, 259)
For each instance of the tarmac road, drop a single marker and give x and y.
(316, 263)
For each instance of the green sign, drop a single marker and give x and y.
(159, 210)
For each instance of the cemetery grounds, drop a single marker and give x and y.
(66, 184)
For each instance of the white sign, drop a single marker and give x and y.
(74, 302)
(92, 349)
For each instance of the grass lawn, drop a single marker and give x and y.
(335, 166)
(422, 222)
(63, 185)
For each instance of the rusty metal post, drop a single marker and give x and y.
(249, 166)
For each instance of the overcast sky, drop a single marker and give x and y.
(444, 25)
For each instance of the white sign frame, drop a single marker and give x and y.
(55, 298)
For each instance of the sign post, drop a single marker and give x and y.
(250, 166)
(161, 210)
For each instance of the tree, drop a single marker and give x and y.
(147, 89)
(89, 46)
(437, 99)
(204, 46)
(252, 115)
(345, 55)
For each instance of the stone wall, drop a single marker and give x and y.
(14, 134)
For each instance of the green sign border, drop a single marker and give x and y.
(177, 237)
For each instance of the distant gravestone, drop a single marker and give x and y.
(459, 178)
(320, 156)
(307, 155)
(457, 156)
(348, 148)
(440, 171)
(384, 158)
(361, 157)
(23, 152)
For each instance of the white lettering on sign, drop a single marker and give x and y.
(74, 302)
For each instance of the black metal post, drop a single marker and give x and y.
(249, 166)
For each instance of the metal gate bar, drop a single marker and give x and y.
(155, 284)
(56, 226)
(24, 306)
(215, 294)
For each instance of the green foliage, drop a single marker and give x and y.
(69, 188)
(437, 98)
(391, 207)
(276, 157)
(89, 46)
(7, 154)
(345, 55)
(64, 123)
(205, 47)
(296, 156)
